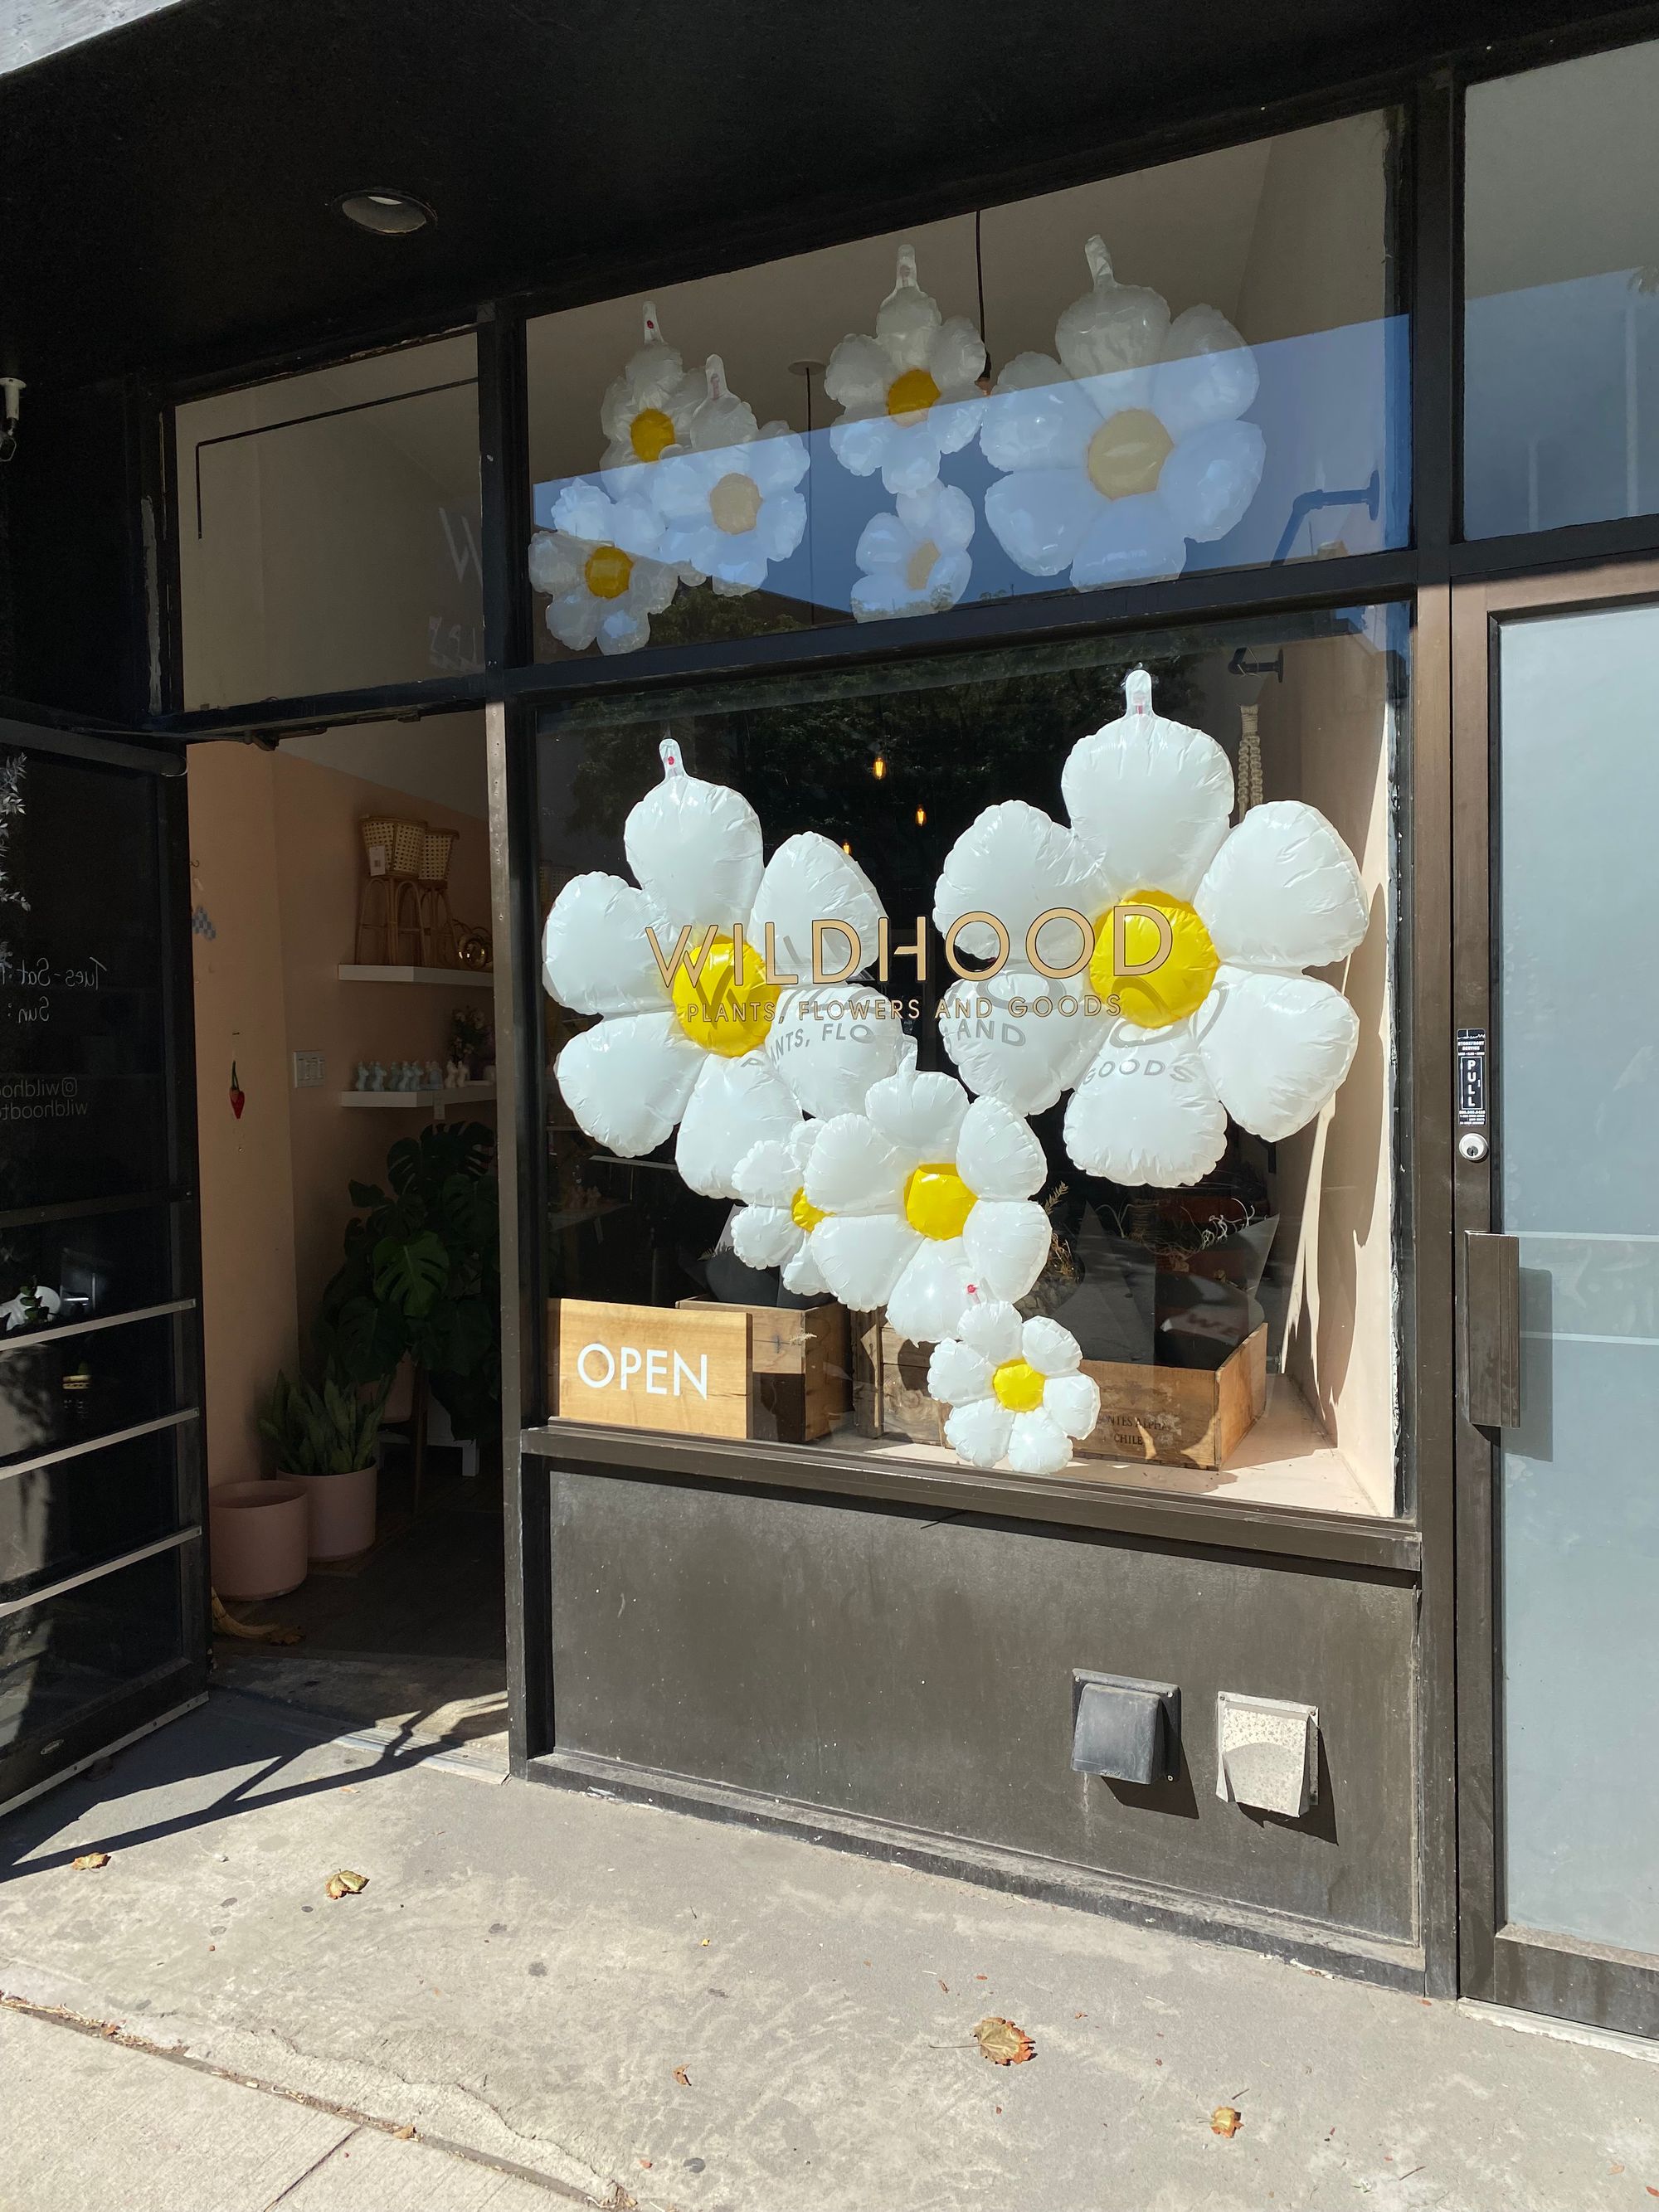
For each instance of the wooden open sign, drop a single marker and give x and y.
(682, 1368)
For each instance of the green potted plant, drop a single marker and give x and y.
(327, 1440)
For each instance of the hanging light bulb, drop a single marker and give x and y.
(848, 850)
(878, 768)
(921, 816)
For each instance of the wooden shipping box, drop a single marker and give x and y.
(1178, 1416)
(801, 1387)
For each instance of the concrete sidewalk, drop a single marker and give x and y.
(631, 2005)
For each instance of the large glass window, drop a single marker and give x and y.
(1199, 366)
(1561, 325)
(964, 1058)
(329, 529)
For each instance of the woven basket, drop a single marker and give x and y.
(434, 855)
(400, 842)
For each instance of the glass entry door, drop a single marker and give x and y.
(1558, 1105)
(103, 1594)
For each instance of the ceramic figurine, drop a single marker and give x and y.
(376, 1077)
(433, 1078)
(360, 1080)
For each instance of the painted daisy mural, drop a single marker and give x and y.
(1129, 446)
(693, 1033)
(1186, 942)
(727, 492)
(908, 394)
(1015, 1389)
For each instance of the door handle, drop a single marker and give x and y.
(1491, 1330)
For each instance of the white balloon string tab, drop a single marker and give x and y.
(652, 327)
(714, 370)
(669, 753)
(1138, 691)
(905, 277)
(1099, 261)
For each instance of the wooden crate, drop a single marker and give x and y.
(889, 1385)
(801, 1386)
(1178, 1416)
(650, 1367)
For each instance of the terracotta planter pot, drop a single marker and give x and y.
(341, 1511)
(258, 1535)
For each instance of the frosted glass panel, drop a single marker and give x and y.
(1577, 1043)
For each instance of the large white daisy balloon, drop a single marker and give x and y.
(909, 393)
(730, 1057)
(725, 491)
(645, 410)
(1014, 1388)
(1194, 1005)
(773, 1228)
(602, 568)
(1128, 446)
(921, 1195)
(914, 561)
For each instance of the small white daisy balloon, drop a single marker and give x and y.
(1129, 445)
(725, 491)
(601, 567)
(909, 393)
(773, 1227)
(1015, 1389)
(691, 1032)
(922, 1193)
(1194, 1005)
(645, 410)
(914, 561)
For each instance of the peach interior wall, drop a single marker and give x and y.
(278, 868)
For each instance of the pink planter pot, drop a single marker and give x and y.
(257, 1531)
(341, 1511)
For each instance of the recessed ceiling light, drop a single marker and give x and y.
(390, 215)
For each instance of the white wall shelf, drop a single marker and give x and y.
(475, 978)
(438, 1103)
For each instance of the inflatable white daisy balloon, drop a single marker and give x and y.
(909, 393)
(915, 561)
(1129, 445)
(1014, 1388)
(601, 567)
(645, 410)
(731, 1059)
(1194, 1005)
(774, 1226)
(922, 1193)
(725, 491)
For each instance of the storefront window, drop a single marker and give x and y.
(329, 529)
(1196, 366)
(1561, 326)
(888, 1113)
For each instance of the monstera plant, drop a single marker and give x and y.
(421, 1278)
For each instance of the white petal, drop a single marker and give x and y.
(622, 630)
(627, 1081)
(828, 1052)
(556, 562)
(1051, 1349)
(583, 510)
(861, 446)
(858, 373)
(736, 1104)
(767, 1175)
(1038, 1445)
(998, 1154)
(1212, 477)
(635, 526)
(1007, 1242)
(992, 1326)
(1040, 516)
(925, 1303)
(878, 596)
(1130, 541)
(596, 957)
(574, 619)
(1276, 1047)
(956, 353)
(943, 513)
(910, 462)
(803, 1275)
(777, 460)
(1074, 1400)
(885, 542)
(1027, 1060)
(1284, 891)
(765, 1236)
(956, 1372)
(809, 879)
(695, 849)
(861, 1257)
(854, 1170)
(1208, 374)
(1146, 1111)
(1013, 862)
(1153, 796)
(978, 1433)
(950, 577)
(1036, 418)
(781, 524)
(920, 1114)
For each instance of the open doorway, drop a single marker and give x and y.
(340, 905)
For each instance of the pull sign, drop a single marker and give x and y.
(1471, 1078)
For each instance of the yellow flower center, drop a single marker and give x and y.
(651, 433)
(720, 1009)
(910, 396)
(735, 503)
(805, 1215)
(1018, 1386)
(1153, 957)
(919, 566)
(937, 1201)
(1127, 453)
(608, 572)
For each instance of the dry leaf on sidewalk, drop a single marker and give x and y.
(1004, 2044)
(682, 2078)
(1226, 2120)
(345, 1883)
(403, 2134)
(88, 1859)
